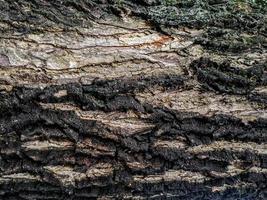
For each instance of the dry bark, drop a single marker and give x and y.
(142, 99)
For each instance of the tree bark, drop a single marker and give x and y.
(142, 99)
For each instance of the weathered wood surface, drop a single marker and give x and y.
(132, 100)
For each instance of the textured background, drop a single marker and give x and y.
(125, 99)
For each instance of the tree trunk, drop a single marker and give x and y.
(142, 99)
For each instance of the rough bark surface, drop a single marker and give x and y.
(147, 99)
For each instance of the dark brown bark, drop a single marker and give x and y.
(132, 100)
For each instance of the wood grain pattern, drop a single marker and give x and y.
(143, 99)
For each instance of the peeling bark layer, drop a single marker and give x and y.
(143, 99)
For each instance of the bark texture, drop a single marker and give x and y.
(133, 99)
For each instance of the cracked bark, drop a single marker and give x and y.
(132, 100)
